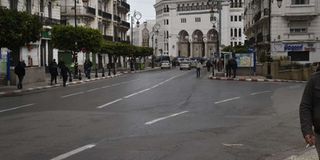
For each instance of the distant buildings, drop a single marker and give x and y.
(186, 29)
(292, 30)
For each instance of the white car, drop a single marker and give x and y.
(185, 65)
(165, 64)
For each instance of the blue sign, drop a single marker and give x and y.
(293, 47)
(251, 50)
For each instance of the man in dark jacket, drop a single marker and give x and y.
(310, 112)
(64, 73)
(53, 69)
(20, 71)
(234, 67)
(87, 68)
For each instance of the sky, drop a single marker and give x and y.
(145, 7)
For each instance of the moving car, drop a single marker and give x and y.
(165, 64)
(185, 65)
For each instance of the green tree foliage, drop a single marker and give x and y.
(18, 29)
(123, 49)
(76, 39)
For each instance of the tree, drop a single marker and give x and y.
(18, 29)
(236, 49)
(76, 39)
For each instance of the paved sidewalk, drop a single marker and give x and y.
(311, 154)
(253, 79)
(12, 90)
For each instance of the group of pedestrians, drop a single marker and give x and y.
(231, 66)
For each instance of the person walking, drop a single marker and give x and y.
(228, 68)
(20, 71)
(64, 74)
(199, 66)
(234, 67)
(53, 69)
(310, 112)
(87, 68)
(208, 65)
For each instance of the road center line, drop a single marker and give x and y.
(262, 92)
(23, 106)
(78, 150)
(163, 118)
(91, 90)
(73, 94)
(108, 104)
(227, 100)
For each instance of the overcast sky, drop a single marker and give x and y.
(145, 7)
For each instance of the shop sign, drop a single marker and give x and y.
(293, 47)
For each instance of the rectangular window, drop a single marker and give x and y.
(198, 19)
(298, 30)
(28, 6)
(235, 32)
(231, 32)
(240, 32)
(183, 20)
(231, 18)
(299, 2)
(240, 18)
(235, 18)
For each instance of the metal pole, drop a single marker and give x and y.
(269, 76)
(75, 13)
(220, 21)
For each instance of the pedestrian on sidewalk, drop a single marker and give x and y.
(228, 68)
(20, 71)
(310, 112)
(87, 68)
(208, 65)
(64, 73)
(234, 67)
(199, 66)
(53, 69)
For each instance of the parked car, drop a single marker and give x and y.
(185, 65)
(165, 64)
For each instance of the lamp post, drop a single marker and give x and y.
(269, 58)
(155, 31)
(137, 16)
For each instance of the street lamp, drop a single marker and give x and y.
(269, 59)
(216, 4)
(137, 16)
(155, 30)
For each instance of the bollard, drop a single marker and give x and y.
(80, 77)
(103, 72)
(96, 73)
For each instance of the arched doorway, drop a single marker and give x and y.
(212, 42)
(183, 44)
(197, 44)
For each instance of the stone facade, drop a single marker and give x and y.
(186, 27)
(294, 31)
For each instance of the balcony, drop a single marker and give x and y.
(108, 38)
(299, 37)
(81, 11)
(105, 15)
(116, 18)
(50, 21)
(125, 24)
(124, 6)
(300, 10)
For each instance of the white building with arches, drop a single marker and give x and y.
(186, 29)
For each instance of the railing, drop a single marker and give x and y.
(91, 10)
(125, 5)
(106, 15)
(116, 18)
(126, 24)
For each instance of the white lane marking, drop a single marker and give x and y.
(91, 90)
(232, 145)
(73, 94)
(10, 109)
(262, 92)
(163, 118)
(227, 100)
(78, 150)
(108, 104)
(294, 87)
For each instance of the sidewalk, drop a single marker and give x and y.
(308, 155)
(12, 90)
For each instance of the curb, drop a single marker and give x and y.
(18, 92)
(255, 80)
